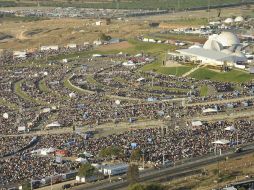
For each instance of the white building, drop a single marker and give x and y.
(47, 48)
(71, 46)
(218, 50)
(19, 54)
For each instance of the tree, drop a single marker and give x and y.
(104, 37)
(86, 170)
(136, 186)
(111, 151)
(26, 185)
(136, 155)
(155, 186)
(133, 174)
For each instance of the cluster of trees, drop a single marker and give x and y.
(152, 186)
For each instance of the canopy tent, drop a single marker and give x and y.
(210, 110)
(87, 154)
(230, 128)
(141, 79)
(196, 123)
(81, 160)
(221, 141)
(54, 124)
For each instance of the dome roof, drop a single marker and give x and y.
(226, 51)
(228, 39)
(212, 45)
(239, 19)
(229, 20)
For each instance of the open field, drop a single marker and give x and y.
(231, 76)
(123, 4)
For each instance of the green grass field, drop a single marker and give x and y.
(231, 76)
(122, 4)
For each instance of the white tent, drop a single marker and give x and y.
(221, 141)
(87, 154)
(210, 110)
(230, 128)
(54, 124)
(229, 188)
(72, 95)
(21, 129)
(140, 79)
(6, 116)
(81, 160)
(97, 55)
(46, 151)
(196, 123)
(129, 63)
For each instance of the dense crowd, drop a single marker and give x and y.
(155, 143)
(35, 96)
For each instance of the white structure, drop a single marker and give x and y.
(47, 48)
(98, 23)
(229, 21)
(19, 54)
(97, 42)
(221, 141)
(239, 19)
(227, 39)
(53, 125)
(71, 46)
(115, 169)
(218, 50)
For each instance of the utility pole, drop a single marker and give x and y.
(208, 9)
(163, 158)
(143, 160)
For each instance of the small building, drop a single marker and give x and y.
(97, 42)
(71, 46)
(19, 54)
(48, 48)
(98, 23)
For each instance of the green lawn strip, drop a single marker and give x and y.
(138, 4)
(178, 71)
(167, 89)
(180, 37)
(44, 88)
(67, 83)
(8, 104)
(25, 96)
(231, 76)
(203, 90)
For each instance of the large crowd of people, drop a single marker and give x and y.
(84, 92)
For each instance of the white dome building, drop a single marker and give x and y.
(239, 19)
(212, 45)
(227, 39)
(229, 21)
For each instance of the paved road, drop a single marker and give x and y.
(171, 172)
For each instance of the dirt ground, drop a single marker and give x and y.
(29, 35)
(63, 31)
